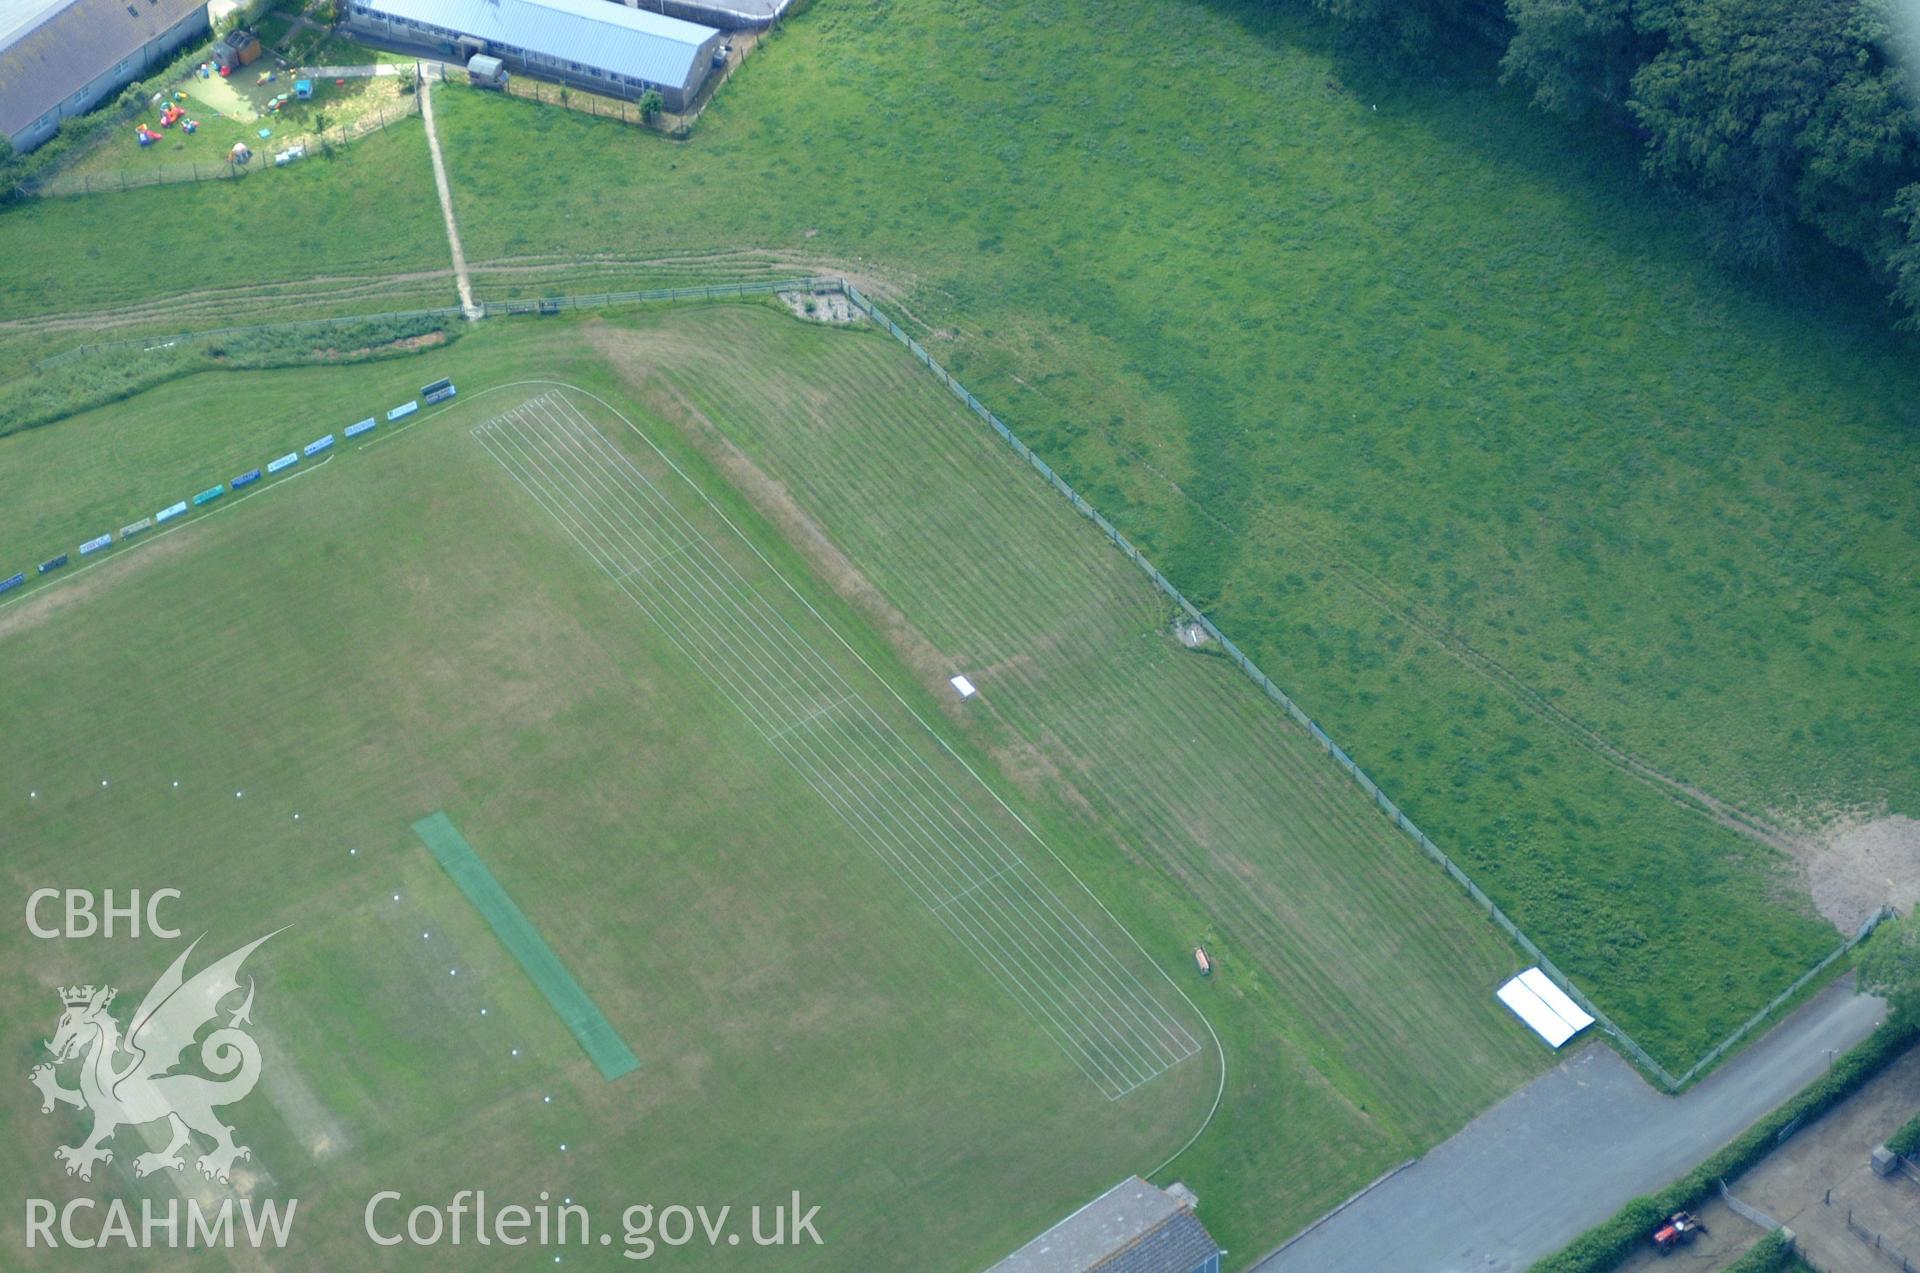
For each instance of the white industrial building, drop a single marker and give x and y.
(61, 58)
(596, 45)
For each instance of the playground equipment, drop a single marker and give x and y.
(146, 135)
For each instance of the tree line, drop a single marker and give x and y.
(1774, 113)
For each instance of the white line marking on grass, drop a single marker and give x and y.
(649, 565)
(806, 720)
(883, 837)
(1082, 989)
(1220, 1089)
(887, 844)
(925, 832)
(125, 549)
(970, 889)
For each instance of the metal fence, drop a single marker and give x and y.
(1892, 1254)
(709, 292)
(1720, 1049)
(1333, 749)
(216, 169)
(1746, 1210)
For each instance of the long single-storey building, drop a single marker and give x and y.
(597, 45)
(61, 58)
(1131, 1228)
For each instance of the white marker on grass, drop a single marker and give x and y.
(963, 687)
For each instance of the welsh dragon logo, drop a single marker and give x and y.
(130, 1082)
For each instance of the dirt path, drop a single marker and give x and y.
(460, 278)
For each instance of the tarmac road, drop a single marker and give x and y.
(1565, 1151)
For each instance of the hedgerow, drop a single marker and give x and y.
(1602, 1248)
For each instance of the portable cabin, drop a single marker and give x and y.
(486, 72)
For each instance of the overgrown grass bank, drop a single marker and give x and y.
(94, 377)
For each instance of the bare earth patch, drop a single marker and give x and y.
(1859, 864)
(37, 607)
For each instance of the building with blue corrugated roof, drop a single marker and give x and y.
(596, 45)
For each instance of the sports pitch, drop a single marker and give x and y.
(837, 915)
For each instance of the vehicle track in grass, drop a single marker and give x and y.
(241, 305)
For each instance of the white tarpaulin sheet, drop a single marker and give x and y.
(1538, 1012)
(1556, 998)
(964, 687)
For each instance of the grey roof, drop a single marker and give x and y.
(600, 33)
(15, 14)
(1131, 1228)
(66, 47)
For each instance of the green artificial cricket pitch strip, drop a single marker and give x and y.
(601, 1042)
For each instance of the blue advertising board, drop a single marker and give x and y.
(317, 445)
(95, 544)
(9, 584)
(53, 564)
(404, 409)
(355, 430)
(247, 478)
(209, 495)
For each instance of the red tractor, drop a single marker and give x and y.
(1680, 1229)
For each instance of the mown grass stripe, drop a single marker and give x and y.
(596, 1035)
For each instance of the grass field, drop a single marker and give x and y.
(367, 211)
(406, 629)
(1433, 408)
(1438, 413)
